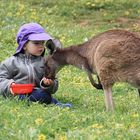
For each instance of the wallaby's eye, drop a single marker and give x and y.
(47, 70)
(50, 68)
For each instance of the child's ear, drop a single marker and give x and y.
(24, 48)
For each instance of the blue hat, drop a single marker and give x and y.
(30, 31)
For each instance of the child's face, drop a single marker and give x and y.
(34, 47)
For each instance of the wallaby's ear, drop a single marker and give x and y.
(52, 45)
(57, 43)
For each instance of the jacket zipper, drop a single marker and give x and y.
(30, 70)
(29, 76)
(33, 74)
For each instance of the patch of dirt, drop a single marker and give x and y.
(84, 22)
(133, 24)
(127, 20)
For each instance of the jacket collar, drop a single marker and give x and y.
(28, 56)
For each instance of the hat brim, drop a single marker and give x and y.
(39, 37)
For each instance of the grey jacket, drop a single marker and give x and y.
(23, 69)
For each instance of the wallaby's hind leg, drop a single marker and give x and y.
(94, 84)
(108, 98)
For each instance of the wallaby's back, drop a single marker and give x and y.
(115, 56)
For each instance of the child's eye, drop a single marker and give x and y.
(38, 43)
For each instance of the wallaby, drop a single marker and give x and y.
(114, 56)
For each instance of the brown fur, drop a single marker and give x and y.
(113, 55)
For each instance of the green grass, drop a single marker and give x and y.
(72, 22)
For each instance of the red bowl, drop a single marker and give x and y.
(22, 88)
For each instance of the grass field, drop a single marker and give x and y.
(72, 22)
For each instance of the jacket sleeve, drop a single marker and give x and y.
(5, 79)
(50, 89)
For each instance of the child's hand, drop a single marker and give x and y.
(47, 82)
(11, 89)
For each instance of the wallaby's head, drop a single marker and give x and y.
(51, 62)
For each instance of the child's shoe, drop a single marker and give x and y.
(64, 105)
(56, 102)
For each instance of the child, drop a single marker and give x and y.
(27, 66)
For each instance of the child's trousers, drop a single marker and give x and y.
(38, 95)
(41, 96)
